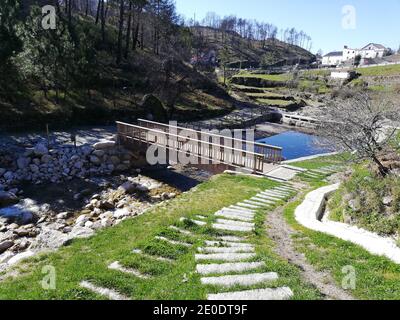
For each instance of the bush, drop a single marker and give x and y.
(369, 201)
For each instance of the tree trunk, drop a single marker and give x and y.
(384, 171)
(128, 32)
(142, 38)
(121, 25)
(98, 11)
(103, 22)
(136, 36)
(87, 8)
(70, 12)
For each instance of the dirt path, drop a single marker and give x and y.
(281, 233)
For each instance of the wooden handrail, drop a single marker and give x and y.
(226, 153)
(183, 137)
(262, 145)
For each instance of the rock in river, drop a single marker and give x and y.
(7, 199)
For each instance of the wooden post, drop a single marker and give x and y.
(48, 135)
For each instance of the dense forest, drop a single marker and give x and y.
(104, 58)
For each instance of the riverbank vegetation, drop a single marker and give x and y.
(368, 201)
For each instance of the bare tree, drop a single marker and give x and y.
(361, 125)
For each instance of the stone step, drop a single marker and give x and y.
(311, 176)
(232, 239)
(185, 232)
(321, 171)
(228, 244)
(242, 212)
(230, 257)
(243, 279)
(140, 252)
(201, 217)
(234, 216)
(241, 209)
(110, 294)
(266, 201)
(246, 205)
(227, 227)
(235, 223)
(310, 173)
(205, 269)
(283, 293)
(226, 249)
(184, 244)
(196, 222)
(280, 192)
(291, 185)
(276, 179)
(283, 189)
(288, 187)
(274, 194)
(255, 203)
(270, 198)
(118, 267)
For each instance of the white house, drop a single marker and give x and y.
(332, 58)
(373, 50)
(370, 51)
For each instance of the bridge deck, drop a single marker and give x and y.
(200, 147)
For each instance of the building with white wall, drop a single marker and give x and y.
(370, 51)
(332, 58)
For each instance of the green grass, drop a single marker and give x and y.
(376, 277)
(315, 86)
(316, 72)
(276, 102)
(271, 77)
(391, 70)
(264, 95)
(87, 259)
(320, 162)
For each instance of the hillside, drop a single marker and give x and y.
(251, 53)
(116, 93)
(91, 72)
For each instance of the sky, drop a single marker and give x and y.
(331, 24)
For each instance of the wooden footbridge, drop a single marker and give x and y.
(204, 147)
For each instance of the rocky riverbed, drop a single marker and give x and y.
(49, 196)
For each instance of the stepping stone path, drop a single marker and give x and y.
(174, 242)
(321, 173)
(229, 262)
(105, 292)
(117, 266)
(140, 252)
(223, 262)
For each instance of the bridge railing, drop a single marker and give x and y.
(271, 153)
(203, 151)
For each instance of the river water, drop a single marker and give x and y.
(296, 144)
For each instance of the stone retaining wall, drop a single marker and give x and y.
(310, 212)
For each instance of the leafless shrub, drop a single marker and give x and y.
(361, 125)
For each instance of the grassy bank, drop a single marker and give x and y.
(88, 259)
(376, 277)
(369, 202)
(380, 71)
